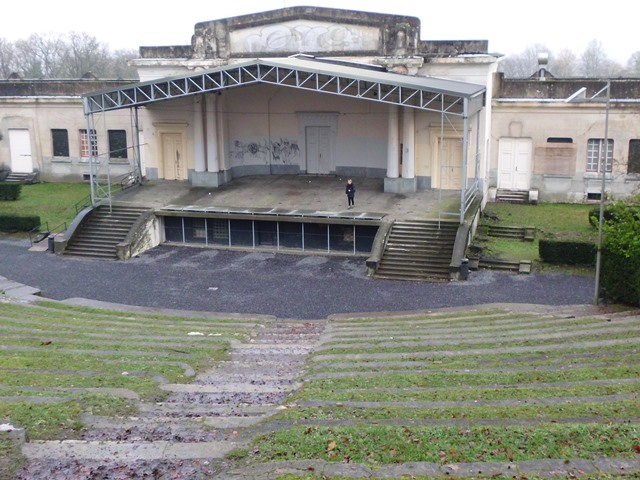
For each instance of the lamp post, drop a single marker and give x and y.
(603, 169)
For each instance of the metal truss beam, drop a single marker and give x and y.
(336, 83)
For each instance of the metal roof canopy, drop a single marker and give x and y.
(443, 96)
(423, 93)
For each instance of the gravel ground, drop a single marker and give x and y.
(287, 286)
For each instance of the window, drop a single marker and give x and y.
(60, 140)
(117, 144)
(87, 143)
(559, 140)
(596, 151)
(633, 165)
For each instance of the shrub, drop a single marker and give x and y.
(10, 191)
(18, 223)
(567, 253)
(620, 268)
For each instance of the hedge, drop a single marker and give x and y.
(18, 223)
(10, 191)
(567, 253)
(620, 278)
(620, 266)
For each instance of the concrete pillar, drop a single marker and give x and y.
(393, 145)
(198, 133)
(408, 143)
(222, 160)
(213, 159)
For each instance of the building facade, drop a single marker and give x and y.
(548, 134)
(275, 127)
(43, 130)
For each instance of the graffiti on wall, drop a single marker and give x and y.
(283, 151)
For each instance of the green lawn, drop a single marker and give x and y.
(54, 203)
(559, 221)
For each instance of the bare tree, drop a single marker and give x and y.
(119, 66)
(84, 54)
(633, 64)
(594, 62)
(525, 64)
(565, 64)
(70, 56)
(7, 58)
(43, 54)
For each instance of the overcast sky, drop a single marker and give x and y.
(510, 26)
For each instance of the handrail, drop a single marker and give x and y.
(38, 234)
(82, 204)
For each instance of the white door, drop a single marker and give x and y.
(514, 163)
(318, 151)
(450, 163)
(20, 147)
(173, 160)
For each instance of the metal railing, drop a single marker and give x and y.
(38, 234)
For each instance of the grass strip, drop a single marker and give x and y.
(605, 410)
(393, 346)
(61, 420)
(611, 354)
(473, 378)
(391, 444)
(479, 394)
(156, 317)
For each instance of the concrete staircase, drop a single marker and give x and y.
(14, 177)
(102, 230)
(512, 196)
(418, 250)
(198, 422)
(513, 233)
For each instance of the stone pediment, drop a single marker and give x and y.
(308, 30)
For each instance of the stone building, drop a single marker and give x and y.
(315, 91)
(326, 91)
(548, 135)
(43, 131)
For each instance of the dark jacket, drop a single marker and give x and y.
(350, 190)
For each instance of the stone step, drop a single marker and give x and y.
(274, 376)
(97, 249)
(427, 241)
(176, 409)
(181, 423)
(512, 196)
(404, 277)
(418, 252)
(90, 245)
(103, 230)
(413, 265)
(93, 254)
(408, 270)
(113, 451)
(228, 388)
(271, 349)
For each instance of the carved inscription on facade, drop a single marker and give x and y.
(307, 36)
